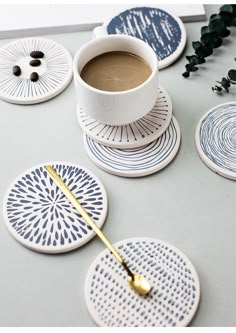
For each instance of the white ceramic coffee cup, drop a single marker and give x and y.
(122, 107)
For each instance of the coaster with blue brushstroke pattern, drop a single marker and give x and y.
(216, 139)
(175, 294)
(39, 216)
(55, 71)
(164, 32)
(136, 162)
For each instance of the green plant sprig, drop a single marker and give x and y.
(211, 38)
(226, 81)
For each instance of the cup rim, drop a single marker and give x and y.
(104, 92)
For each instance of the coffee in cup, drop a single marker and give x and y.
(116, 71)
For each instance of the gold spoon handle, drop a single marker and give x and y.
(70, 196)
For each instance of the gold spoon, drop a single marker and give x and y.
(136, 281)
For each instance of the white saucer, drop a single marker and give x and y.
(175, 294)
(55, 71)
(39, 216)
(136, 162)
(216, 139)
(136, 134)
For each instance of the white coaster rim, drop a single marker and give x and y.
(49, 95)
(206, 160)
(150, 239)
(63, 249)
(139, 173)
(149, 138)
(102, 30)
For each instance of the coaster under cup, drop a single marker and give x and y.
(163, 31)
(55, 71)
(175, 293)
(137, 134)
(216, 139)
(40, 217)
(136, 162)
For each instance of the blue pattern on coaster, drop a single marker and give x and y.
(217, 136)
(172, 301)
(39, 215)
(140, 161)
(155, 26)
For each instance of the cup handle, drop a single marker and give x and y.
(99, 32)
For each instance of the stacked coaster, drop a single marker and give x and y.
(137, 149)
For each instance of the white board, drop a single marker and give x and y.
(31, 20)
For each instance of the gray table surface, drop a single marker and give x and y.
(186, 204)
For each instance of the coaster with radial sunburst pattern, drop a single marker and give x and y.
(54, 72)
(136, 134)
(172, 301)
(40, 217)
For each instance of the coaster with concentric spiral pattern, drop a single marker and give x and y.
(55, 71)
(216, 139)
(136, 162)
(136, 134)
(175, 293)
(40, 217)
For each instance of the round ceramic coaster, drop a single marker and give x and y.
(164, 32)
(40, 217)
(136, 162)
(54, 71)
(137, 134)
(175, 293)
(216, 139)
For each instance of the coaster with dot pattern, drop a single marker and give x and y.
(54, 71)
(175, 293)
(39, 216)
(136, 134)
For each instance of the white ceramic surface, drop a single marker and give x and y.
(55, 71)
(137, 134)
(136, 162)
(116, 108)
(163, 31)
(39, 216)
(175, 293)
(216, 139)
